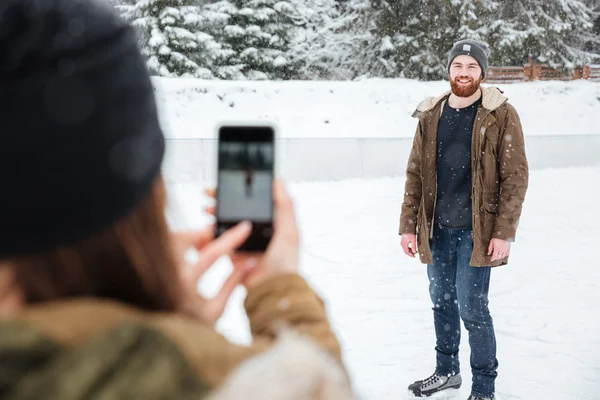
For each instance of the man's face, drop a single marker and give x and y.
(465, 76)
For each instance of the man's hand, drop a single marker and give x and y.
(498, 249)
(409, 244)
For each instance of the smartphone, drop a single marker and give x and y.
(245, 174)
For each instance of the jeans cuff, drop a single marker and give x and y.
(442, 372)
(484, 395)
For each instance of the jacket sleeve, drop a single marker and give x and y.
(514, 176)
(412, 187)
(283, 301)
(288, 301)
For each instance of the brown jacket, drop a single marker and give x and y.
(499, 168)
(94, 349)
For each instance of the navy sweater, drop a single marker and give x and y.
(453, 207)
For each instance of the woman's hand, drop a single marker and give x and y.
(283, 253)
(210, 250)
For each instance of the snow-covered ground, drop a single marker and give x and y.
(374, 108)
(544, 303)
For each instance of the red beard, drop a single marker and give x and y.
(464, 90)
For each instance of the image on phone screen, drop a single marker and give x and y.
(245, 181)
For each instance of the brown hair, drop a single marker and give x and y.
(130, 261)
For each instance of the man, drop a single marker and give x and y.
(466, 181)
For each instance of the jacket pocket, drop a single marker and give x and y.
(489, 140)
(489, 163)
(488, 214)
(490, 202)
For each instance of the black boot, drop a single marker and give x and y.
(434, 384)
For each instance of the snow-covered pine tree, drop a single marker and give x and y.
(592, 41)
(312, 48)
(339, 41)
(169, 39)
(479, 20)
(215, 16)
(120, 3)
(474, 18)
(328, 38)
(124, 7)
(357, 30)
(256, 36)
(414, 37)
(504, 38)
(548, 31)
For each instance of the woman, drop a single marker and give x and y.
(96, 298)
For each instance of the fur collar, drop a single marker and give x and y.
(492, 99)
(295, 368)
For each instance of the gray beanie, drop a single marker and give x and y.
(480, 51)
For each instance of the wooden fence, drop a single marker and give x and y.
(540, 72)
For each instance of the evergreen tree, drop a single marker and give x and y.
(592, 41)
(311, 49)
(327, 39)
(351, 39)
(547, 31)
(361, 55)
(168, 37)
(415, 37)
(254, 36)
(365, 51)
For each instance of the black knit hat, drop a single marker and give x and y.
(480, 51)
(80, 141)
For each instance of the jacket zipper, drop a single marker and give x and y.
(477, 163)
(434, 205)
(436, 182)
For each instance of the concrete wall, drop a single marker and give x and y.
(194, 160)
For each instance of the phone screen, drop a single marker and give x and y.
(246, 157)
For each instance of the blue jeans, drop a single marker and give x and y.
(459, 291)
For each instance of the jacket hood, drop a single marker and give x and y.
(492, 99)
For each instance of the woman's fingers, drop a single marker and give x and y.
(225, 244)
(285, 218)
(237, 277)
(197, 239)
(212, 210)
(211, 192)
